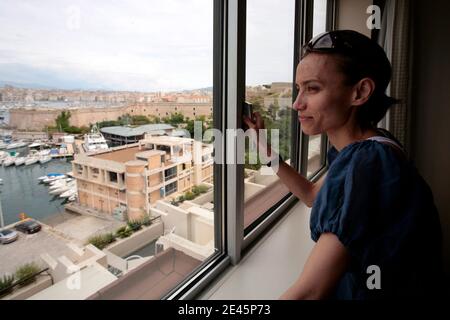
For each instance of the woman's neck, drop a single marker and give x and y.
(346, 135)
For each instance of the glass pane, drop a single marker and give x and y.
(315, 142)
(118, 86)
(314, 154)
(320, 17)
(270, 40)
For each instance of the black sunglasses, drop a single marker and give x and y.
(333, 41)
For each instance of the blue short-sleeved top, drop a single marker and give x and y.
(382, 211)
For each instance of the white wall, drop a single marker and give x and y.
(353, 16)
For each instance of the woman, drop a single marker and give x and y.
(373, 219)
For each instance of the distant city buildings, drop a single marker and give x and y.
(34, 109)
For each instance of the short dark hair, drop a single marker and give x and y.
(361, 57)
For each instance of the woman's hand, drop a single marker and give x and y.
(258, 124)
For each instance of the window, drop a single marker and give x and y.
(163, 148)
(208, 52)
(112, 177)
(171, 188)
(170, 173)
(269, 74)
(102, 57)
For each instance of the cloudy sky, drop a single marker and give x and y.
(143, 45)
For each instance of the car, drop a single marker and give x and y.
(8, 236)
(29, 226)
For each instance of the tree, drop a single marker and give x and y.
(138, 120)
(62, 121)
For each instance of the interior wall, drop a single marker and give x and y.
(430, 103)
(352, 15)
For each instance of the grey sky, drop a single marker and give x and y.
(144, 45)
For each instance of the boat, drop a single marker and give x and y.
(3, 145)
(52, 174)
(59, 182)
(9, 161)
(19, 161)
(16, 145)
(62, 189)
(31, 160)
(44, 159)
(53, 178)
(94, 141)
(68, 193)
(36, 144)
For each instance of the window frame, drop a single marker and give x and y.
(228, 98)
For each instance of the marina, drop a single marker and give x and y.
(21, 191)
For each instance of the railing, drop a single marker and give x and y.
(170, 176)
(9, 289)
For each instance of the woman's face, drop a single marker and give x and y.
(324, 99)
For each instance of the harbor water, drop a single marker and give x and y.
(21, 191)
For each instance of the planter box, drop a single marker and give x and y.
(139, 239)
(42, 282)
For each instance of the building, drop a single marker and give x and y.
(124, 181)
(120, 135)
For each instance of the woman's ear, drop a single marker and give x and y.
(362, 91)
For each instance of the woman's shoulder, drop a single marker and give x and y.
(365, 152)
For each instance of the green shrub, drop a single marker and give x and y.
(102, 240)
(135, 225)
(188, 195)
(25, 271)
(5, 282)
(197, 190)
(124, 232)
(146, 221)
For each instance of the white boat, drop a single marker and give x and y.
(45, 152)
(94, 141)
(36, 144)
(44, 159)
(53, 178)
(60, 182)
(42, 178)
(19, 161)
(63, 188)
(31, 160)
(68, 193)
(16, 145)
(9, 161)
(3, 145)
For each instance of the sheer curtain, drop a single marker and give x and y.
(395, 38)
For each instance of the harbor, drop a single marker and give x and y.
(21, 191)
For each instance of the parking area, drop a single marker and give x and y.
(28, 248)
(52, 239)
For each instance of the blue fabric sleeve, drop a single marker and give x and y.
(350, 196)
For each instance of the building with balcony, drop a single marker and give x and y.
(124, 182)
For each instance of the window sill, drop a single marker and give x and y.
(280, 255)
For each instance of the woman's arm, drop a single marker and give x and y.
(326, 264)
(301, 187)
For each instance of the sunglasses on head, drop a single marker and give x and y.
(333, 41)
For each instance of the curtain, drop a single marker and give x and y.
(394, 37)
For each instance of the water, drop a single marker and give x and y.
(21, 191)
